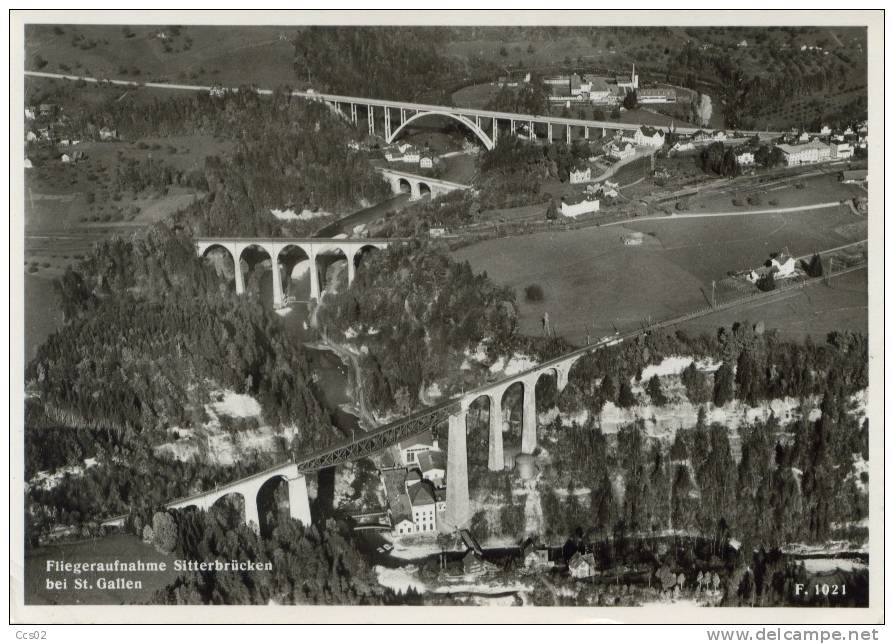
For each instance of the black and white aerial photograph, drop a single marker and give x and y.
(399, 314)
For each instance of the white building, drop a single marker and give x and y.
(579, 174)
(582, 566)
(825, 130)
(745, 158)
(403, 525)
(29, 113)
(422, 502)
(392, 153)
(812, 152)
(784, 265)
(426, 162)
(30, 136)
(719, 135)
(28, 163)
(621, 151)
(411, 449)
(65, 158)
(410, 153)
(841, 150)
(649, 136)
(578, 209)
(683, 146)
(433, 465)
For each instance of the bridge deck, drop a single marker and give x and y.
(421, 107)
(303, 240)
(422, 177)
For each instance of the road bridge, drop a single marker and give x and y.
(396, 116)
(284, 253)
(416, 182)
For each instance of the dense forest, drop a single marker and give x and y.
(746, 94)
(311, 565)
(792, 482)
(449, 211)
(400, 63)
(151, 330)
(417, 312)
(288, 154)
(513, 172)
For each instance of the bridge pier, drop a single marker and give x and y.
(586, 133)
(354, 113)
(458, 512)
(568, 134)
(299, 502)
(529, 418)
(415, 195)
(314, 278)
(387, 123)
(532, 134)
(277, 282)
(495, 443)
(352, 269)
(240, 279)
(549, 132)
(252, 518)
(494, 128)
(370, 117)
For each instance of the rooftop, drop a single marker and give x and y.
(432, 460)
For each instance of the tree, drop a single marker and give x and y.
(766, 282)
(724, 385)
(534, 293)
(696, 384)
(165, 532)
(630, 100)
(626, 398)
(655, 392)
(815, 267)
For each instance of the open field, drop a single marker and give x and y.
(199, 53)
(593, 282)
(69, 207)
(125, 548)
(42, 314)
(815, 310)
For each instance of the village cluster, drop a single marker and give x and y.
(594, 89)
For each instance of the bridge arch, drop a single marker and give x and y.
(227, 266)
(269, 501)
(485, 139)
(233, 507)
(325, 258)
(254, 256)
(295, 263)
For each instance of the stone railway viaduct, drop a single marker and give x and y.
(284, 253)
(416, 182)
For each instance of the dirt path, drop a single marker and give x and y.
(700, 215)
